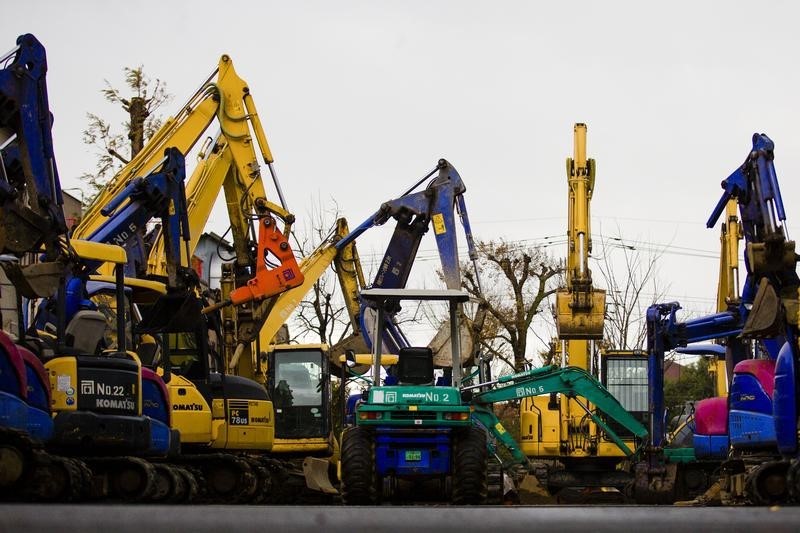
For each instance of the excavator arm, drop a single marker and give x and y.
(580, 307)
(414, 212)
(226, 97)
(572, 382)
(30, 190)
(769, 300)
(158, 195)
(265, 264)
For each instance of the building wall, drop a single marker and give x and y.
(211, 264)
(72, 210)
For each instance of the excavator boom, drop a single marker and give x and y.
(580, 307)
(30, 190)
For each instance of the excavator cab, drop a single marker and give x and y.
(298, 378)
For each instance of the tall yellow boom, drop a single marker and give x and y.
(580, 308)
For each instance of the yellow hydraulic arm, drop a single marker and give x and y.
(351, 280)
(226, 97)
(728, 284)
(730, 235)
(218, 169)
(312, 267)
(215, 166)
(271, 314)
(580, 307)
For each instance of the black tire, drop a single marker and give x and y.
(470, 462)
(359, 477)
(767, 484)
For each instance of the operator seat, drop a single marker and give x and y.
(85, 331)
(415, 366)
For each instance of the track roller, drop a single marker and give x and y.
(126, 478)
(59, 479)
(16, 457)
(170, 485)
(229, 479)
(767, 484)
(224, 478)
(264, 483)
(196, 483)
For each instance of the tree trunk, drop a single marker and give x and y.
(138, 113)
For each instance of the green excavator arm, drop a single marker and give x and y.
(570, 381)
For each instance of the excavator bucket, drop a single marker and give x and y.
(764, 317)
(442, 349)
(173, 312)
(40, 280)
(315, 470)
(581, 319)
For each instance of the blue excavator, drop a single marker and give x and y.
(71, 414)
(414, 213)
(756, 443)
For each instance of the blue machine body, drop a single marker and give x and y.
(784, 401)
(160, 194)
(711, 446)
(421, 453)
(155, 406)
(750, 419)
(24, 395)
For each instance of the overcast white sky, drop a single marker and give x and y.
(360, 98)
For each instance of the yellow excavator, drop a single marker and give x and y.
(213, 411)
(247, 332)
(556, 431)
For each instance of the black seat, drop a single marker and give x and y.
(415, 366)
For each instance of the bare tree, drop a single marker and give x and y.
(322, 313)
(517, 280)
(632, 285)
(113, 151)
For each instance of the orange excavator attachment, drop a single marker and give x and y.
(270, 279)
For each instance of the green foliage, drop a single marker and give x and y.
(695, 383)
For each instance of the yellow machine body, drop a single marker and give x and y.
(558, 427)
(191, 414)
(243, 425)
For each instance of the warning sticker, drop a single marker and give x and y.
(63, 383)
(438, 224)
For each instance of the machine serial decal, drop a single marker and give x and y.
(522, 392)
